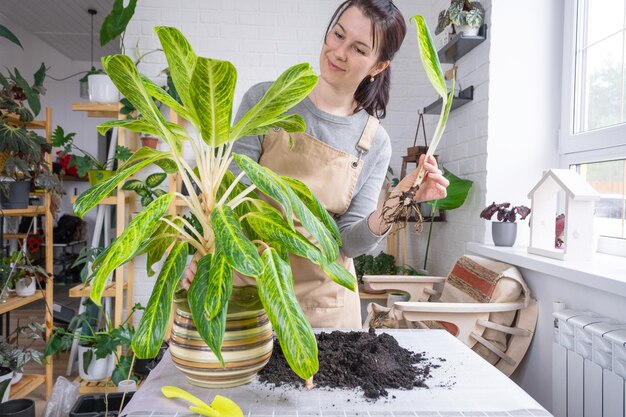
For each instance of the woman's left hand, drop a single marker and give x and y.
(433, 186)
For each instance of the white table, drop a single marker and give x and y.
(464, 385)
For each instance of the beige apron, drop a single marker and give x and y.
(331, 174)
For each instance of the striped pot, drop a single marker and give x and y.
(246, 349)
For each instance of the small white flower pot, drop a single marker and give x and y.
(25, 287)
(127, 385)
(17, 377)
(98, 369)
(102, 89)
(468, 30)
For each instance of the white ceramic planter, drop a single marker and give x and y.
(17, 377)
(468, 30)
(4, 377)
(98, 369)
(102, 89)
(25, 289)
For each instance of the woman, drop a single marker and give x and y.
(344, 154)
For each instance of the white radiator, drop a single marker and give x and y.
(588, 365)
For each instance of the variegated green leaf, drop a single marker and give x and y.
(293, 330)
(124, 75)
(441, 124)
(134, 185)
(154, 180)
(314, 226)
(240, 253)
(135, 125)
(161, 95)
(227, 181)
(212, 90)
(266, 181)
(429, 57)
(211, 331)
(124, 247)
(181, 60)
(287, 122)
(220, 285)
(290, 88)
(159, 241)
(92, 196)
(151, 329)
(304, 193)
(340, 275)
(270, 226)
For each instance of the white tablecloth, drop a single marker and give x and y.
(464, 385)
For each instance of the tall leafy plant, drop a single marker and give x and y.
(230, 227)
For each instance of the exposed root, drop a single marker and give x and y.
(401, 212)
(308, 384)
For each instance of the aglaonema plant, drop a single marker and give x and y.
(432, 67)
(227, 224)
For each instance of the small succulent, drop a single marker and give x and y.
(506, 213)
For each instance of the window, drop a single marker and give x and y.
(593, 122)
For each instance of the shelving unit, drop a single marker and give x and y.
(30, 382)
(122, 284)
(461, 44)
(464, 97)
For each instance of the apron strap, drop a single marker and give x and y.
(367, 137)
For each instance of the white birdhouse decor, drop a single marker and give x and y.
(580, 200)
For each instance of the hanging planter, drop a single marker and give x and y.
(102, 89)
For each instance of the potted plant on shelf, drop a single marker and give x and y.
(228, 225)
(464, 16)
(13, 358)
(504, 231)
(149, 141)
(85, 164)
(24, 275)
(98, 358)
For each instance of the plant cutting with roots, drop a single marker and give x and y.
(227, 224)
(401, 205)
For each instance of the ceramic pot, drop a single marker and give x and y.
(503, 233)
(96, 176)
(246, 348)
(468, 30)
(26, 287)
(397, 297)
(18, 195)
(17, 377)
(18, 408)
(98, 369)
(102, 89)
(6, 374)
(149, 141)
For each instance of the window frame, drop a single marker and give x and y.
(599, 145)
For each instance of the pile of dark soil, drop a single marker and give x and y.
(356, 360)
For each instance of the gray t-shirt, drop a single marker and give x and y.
(342, 133)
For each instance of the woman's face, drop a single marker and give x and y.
(348, 55)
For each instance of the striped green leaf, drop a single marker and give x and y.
(211, 331)
(429, 57)
(304, 193)
(181, 60)
(161, 95)
(220, 285)
(314, 226)
(161, 239)
(290, 88)
(287, 122)
(266, 181)
(240, 253)
(340, 275)
(125, 246)
(93, 195)
(135, 125)
(7, 34)
(124, 75)
(293, 330)
(154, 180)
(271, 227)
(134, 185)
(212, 89)
(151, 329)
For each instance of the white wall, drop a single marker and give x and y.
(59, 96)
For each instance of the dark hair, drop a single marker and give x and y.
(388, 22)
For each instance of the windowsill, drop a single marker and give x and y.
(602, 272)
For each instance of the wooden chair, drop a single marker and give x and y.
(485, 303)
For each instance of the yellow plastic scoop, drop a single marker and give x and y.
(220, 407)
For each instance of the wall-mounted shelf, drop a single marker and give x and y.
(461, 44)
(464, 97)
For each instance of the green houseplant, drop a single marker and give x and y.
(504, 230)
(464, 16)
(228, 225)
(13, 357)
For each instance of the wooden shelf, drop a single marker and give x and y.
(109, 110)
(98, 387)
(461, 44)
(464, 97)
(14, 120)
(81, 290)
(14, 235)
(369, 296)
(27, 384)
(27, 212)
(16, 301)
